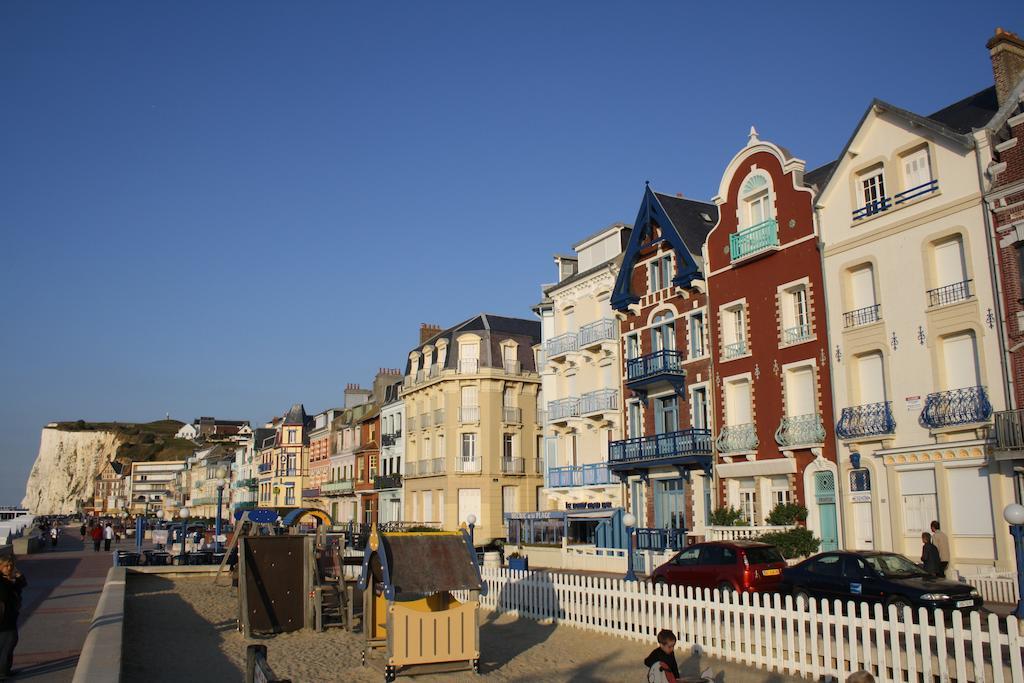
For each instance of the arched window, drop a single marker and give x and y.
(757, 200)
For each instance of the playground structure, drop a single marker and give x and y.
(409, 607)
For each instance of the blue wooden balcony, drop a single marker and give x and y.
(686, 447)
(754, 240)
(871, 419)
(915, 192)
(872, 207)
(595, 474)
(655, 368)
(956, 407)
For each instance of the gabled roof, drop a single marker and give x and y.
(684, 223)
(954, 122)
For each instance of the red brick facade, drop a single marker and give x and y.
(367, 459)
(761, 281)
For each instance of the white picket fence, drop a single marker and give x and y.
(770, 632)
(995, 586)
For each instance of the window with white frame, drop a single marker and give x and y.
(734, 337)
(635, 419)
(870, 374)
(872, 185)
(663, 333)
(633, 345)
(863, 303)
(509, 499)
(917, 169)
(919, 504)
(659, 273)
(468, 453)
(666, 414)
(698, 335)
(699, 407)
(960, 361)
(756, 195)
(779, 491)
(796, 320)
(507, 447)
(469, 356)
(950, 272)
(510, 358)
(748, 500)
(442, 354)
(738, 408)
(800, 394)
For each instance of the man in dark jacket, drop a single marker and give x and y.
(930, 555)
(11, 584)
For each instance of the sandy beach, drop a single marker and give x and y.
(184, 629)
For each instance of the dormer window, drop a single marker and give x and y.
(917, 176)
(659, 273)
(871, 185)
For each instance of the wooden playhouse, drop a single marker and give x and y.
(410, 610)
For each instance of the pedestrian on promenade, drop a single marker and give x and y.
(930, 555)
(82, 531)
(941, 542)
(97, 537)
(12, 582)
(53, 536)
(108, 536)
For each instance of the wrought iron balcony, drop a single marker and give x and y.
(737, 439)
(425, 420)
(914, 192)
(512, 367)
(660, 539)
(872, 207)
(245, 505)
(654, 366)
(387, 481)
(542, 416)
(265, 467)
(469, 414)
(956, 407)
(435, 371)
(421, 375)
(686, 444)
(947, 294)
(871, 419)
(800, 430)
(466, 465)
(596, 474)
(387, 440)
(754, 240)
(862, 316)
(1010, 430)
(797, 333)
(594, 333)
(204, 500)
(563, 409)
(311, 492)
(734, 350)
(600, 401)
(561, 345)
(438, 417)
(512, 415)
(469, 366)
(426, 468)
(513, 465)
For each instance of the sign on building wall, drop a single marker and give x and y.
(913, 403)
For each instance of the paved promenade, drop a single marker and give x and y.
(64, 585)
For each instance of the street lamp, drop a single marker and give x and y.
(1014, 515)
(629, 520)
(471, 521)
(221, 472)
(183, 513)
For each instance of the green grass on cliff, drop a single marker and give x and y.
(143, 442)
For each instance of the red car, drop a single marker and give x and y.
(729, 565)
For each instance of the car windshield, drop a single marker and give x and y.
(893, 565)
(763, 555)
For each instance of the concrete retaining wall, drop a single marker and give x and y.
(100, 661)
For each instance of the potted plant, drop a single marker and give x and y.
(518, 562)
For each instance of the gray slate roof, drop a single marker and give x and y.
(493, 329)
(687, 216)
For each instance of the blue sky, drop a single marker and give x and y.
(224, 208)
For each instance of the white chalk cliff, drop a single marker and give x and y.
(67, 464)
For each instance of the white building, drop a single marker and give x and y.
(244, 475)
(150, 486)
(392, 461)
(581, 376)
(187, 431)
(911, 314)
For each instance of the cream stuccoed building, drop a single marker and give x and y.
(581, 396)
(471, 434)
(911, 316)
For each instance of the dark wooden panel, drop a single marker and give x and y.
(274, 583)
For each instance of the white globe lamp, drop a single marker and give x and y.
(629, 519)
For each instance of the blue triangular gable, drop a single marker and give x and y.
(651, 210)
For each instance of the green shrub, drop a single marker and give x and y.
(787, 514)
(420, 529)
(727, 516)
(798, 542)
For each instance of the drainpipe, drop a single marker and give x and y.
(997, 287)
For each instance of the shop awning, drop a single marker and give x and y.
(604, 513)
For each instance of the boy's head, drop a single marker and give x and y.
(667, 640)
(860, 677)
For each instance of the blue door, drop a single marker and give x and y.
(825, 496)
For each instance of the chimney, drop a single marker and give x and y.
(1007, 52)
(428, 330)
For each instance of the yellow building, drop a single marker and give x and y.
(472, 437)
(283, 461)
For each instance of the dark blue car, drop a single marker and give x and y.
(876, 577)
